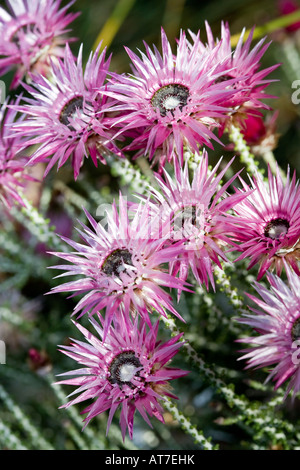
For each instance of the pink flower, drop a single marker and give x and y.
(242, 64)
(121, 265)
(270, 223)
(198, 213)
(277, 322)
(259, 133)
(12, 161)
(286, 7)
(170, 101)
(31, 35)
(66, 114)
(128, 370)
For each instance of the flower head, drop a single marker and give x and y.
(66, 114)
(286, 7)
(198, 213)
(31, 35)
(12, 161)
(277, 322)
(121, 265)
(260, 134)
(270, 223)
(129, 370)
(170, 101)
(240, 63)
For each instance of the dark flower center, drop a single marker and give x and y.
(115, 262)
(223, 78)
(275, 228)
(170, 97)
(296, 330)
(123, 369)
(188, 222)
(25, 30)
(187, 214)
(69, 111)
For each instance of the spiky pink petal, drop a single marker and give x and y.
(127, 371)
(242, 63)
(66, 113)
(277, 323)
(270, 223)
(170, 101)
(197, 211)
(121, 265)
(32, 35)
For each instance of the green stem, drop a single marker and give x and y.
(273, 25)
(9, 440)
(203, 368)
(24, 422)
(270, 160)
(114, 22)
(224, 282)
(240, 145)
(252, 414)
(197, 435)
(130, 175)
(95, 441)
(249, 159)
(35, 223)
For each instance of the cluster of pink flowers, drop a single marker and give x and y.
(32, 34)
(170, 106)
